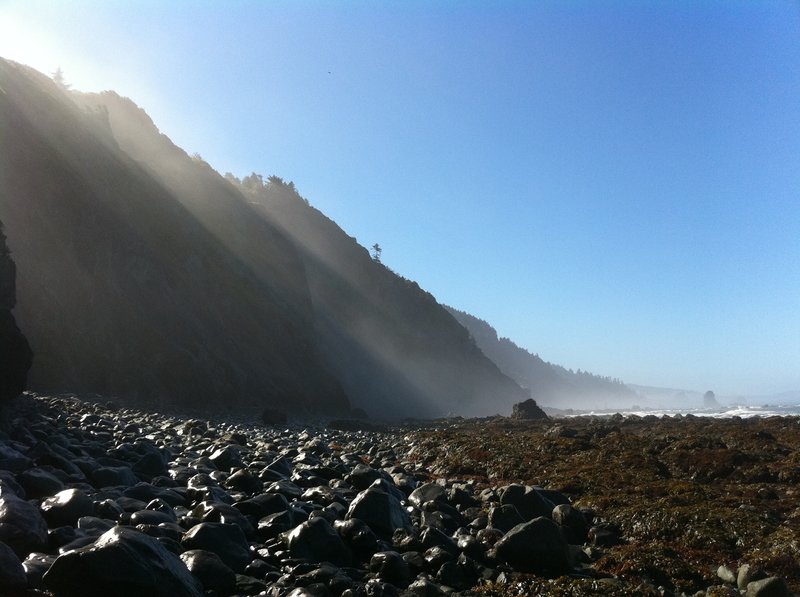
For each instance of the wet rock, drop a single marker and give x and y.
(390, 567)
(13, 460)
(110, 476)
(35, 565)
(228, 541)
(12, 574)
(536, 546)
(505, 517)
(210, 570)
(362, 476)
(357, 535)
(22, 527)
(768, 587)
(430, 492)
(66, 507)
(572, 522)
(380, 510)
(318, 541)
(121, 562)
(528, 501)
(40, 483)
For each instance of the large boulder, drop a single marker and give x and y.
(527, 410)
(122, 562)
(15, 353)
(536, 546)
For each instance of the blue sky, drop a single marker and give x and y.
(613, 185)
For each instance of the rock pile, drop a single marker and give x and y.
(96, 501)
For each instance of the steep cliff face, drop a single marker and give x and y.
(396, 351)
(134, 284)
(15, 354)
(550, 384)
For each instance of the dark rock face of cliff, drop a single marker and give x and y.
(15, 354)
(126, 285)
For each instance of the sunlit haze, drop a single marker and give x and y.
(614, 186)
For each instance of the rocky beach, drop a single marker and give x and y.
(97, 498)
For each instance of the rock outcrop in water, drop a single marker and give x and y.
(15, 354)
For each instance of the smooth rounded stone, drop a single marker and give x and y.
(259, 569)
(572, 522)
(122, 562)
(39, 483)
(768, 587)
(35, 565)
(601, 536)
(112, 476)
(357, 535)
(226, 459)
(226, 540)
(528, 501)
(536, 546)
(726, 575)
(154, 517)
(390, 567)
(416, 562)
(451, 575)
(362, 476)
(243, 480)
(505, 517)
(9, 485)
(22, 526)
(315, 590)
(318, 541)
(430, 492)
(555, 497)
(274, 524)
(225, 513)
(470, 546)
(281, 466)
(13, 460)
(424, 588)
(146, 492)
(210, 570)
(66, 507)
(747, 574)
(285, 488)
(108, 509)
(435, 557)
(150, 465)
(12, 574)
(92, 525)
(432, 537)
(380, 510)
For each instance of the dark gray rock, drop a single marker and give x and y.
(768, 587)
(357, 535)
(12, 459)
(362, 476)
(12, 574)
(430, 492)
(210, 570)
(527, 410)
(228, 541)
(390, 567)
(536, 546)
(110, 476)
(572, 522)
(505, 517)
(39, 483)
(22, 527)
(528, 501)
(318, 541)
(35, 565)
(380, 510)
(122, 562)
(66, 507)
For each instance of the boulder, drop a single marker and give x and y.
(210, 570)
(318, 541)
(228, 541)
(527, 410)
(66, 507)
(536, 546)
(122, 562)
(12, 574)
(22, 527)
(381, 511)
